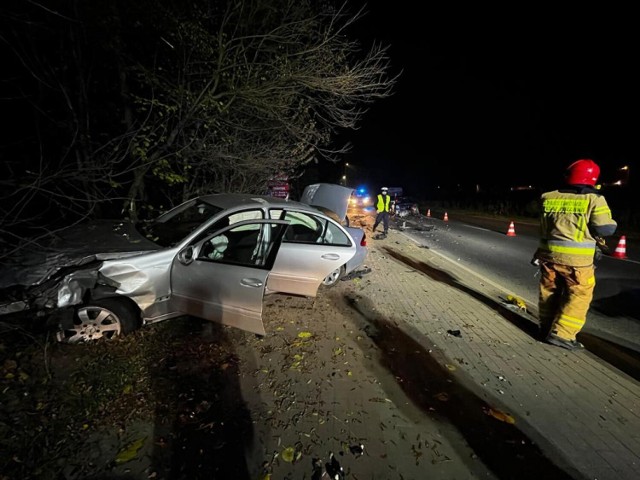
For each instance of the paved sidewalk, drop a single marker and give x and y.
(583, 413)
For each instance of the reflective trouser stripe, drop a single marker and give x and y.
(571, 323)
(565, 296)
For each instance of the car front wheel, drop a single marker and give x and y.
(100, 319)
(333, 278)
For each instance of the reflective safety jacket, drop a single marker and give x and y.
(383, 203)
(570, 219)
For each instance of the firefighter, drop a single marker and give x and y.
(571, 220)
(382, 208)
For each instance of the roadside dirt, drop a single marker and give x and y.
(191, 400)
(188, 399)
(331, 390)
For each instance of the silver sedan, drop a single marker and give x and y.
(212, 257)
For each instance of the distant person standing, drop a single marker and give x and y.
(573, 218)
(383, 204)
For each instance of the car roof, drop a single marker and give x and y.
(318, 197)
(247, 200)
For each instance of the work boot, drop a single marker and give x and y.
(561, 342)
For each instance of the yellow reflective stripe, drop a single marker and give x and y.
(570, 250)
(565, 205)
(602, 211)
(571, 322)
(582, 228)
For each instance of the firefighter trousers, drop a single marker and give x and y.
(565, 296)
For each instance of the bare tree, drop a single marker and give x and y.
(248, 92)
(48, 175)
(160, 102)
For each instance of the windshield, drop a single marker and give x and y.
(172, 227)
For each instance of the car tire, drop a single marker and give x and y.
(104, 319)
(334, 277)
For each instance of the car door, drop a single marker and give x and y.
(313, 247)
(227, 285)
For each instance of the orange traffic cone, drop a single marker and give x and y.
(446, 217)
(621, 249)
(512, 230)
(429, 212)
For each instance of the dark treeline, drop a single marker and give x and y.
(125, 108)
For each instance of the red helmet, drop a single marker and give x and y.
(583, 172)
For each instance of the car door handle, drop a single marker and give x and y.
(251, 282)
(331, 256)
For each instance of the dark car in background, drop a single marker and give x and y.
(404, 206)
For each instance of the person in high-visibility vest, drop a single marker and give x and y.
(382, 208)
(572, 219)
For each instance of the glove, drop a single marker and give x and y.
(601, 249)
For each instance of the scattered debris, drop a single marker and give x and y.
(317, 472)
(518, 302)
(497, 414)
(335, 471)
(454, 333)
(357, 450)
(357, 274)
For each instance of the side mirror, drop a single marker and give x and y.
(185, 256)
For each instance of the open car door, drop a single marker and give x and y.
(227, 284)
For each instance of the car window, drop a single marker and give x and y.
(239, 245)
(173, 226)
(309, 228)
(215, 248)
(246, 215)
(230, 220)
(333, 235)
(304, 228)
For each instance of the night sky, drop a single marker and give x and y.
(506, 99)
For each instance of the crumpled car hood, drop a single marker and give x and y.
(72, 247)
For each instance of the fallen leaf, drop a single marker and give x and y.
(130, 451)
(288, 454)
(304, 335)
(442, 396)
(497, 414)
